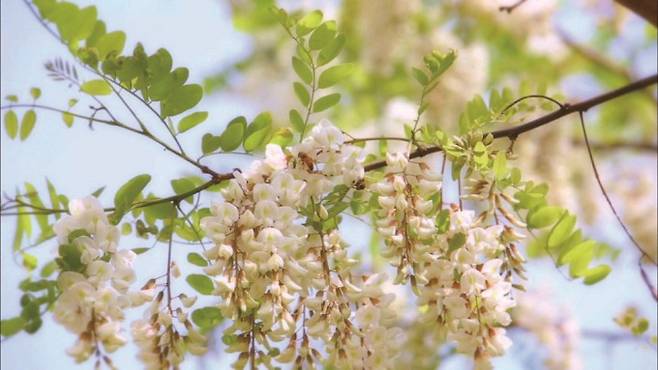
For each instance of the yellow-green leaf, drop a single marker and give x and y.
(191, 120)
(96, 87)
(11, 124)
(27, 123)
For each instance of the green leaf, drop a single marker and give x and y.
(334, 74)
(579, 258)
(11, 124)
(127, 194)
(181, 99)
(331, 51)
(326, 102)
(197, 260)
(35, 92)
(561, 231)
(309, 22)
(160, 211)
(233, 135)
(67, 118)
(322, 35)
(457, 241)
(420, 76)
(296, 120)
(301, 93)
(27, 123)
(258, 132)
(12, 98)
(112, 42)
(302, 70)
(48, 269)
(183, 185)
(207, 317)
(443, 221)
(191, 120)
(596, 274)
(641, 326)
(11, 326)
(96, 87)
(69, 258)
(500, 165)
(201, 283)
(159, 64)
(33, 195)
(30, 262)
(210, 143)
(544, 216)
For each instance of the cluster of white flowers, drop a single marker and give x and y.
(467, 290)
(276, 263)
(459, 276)
(553, 326)
(95, 279)
(160, 342)
(407, 215)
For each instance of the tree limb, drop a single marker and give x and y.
(566, 110)
(647, 9)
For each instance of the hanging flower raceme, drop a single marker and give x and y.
(278, 260)
(407, 215)
(469, 288)
(159, 335)
(94, 281)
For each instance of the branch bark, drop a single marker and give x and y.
(647, 9)
(566, 110)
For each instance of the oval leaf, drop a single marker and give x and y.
(181, 99)
(543, 217)
(27, 123)
(596, 274)
(334, 74)
(201, 283)
(191, 120)
(127, 194)
(207, 317)
(302, 70)
(96, 87)
(233, 135)
(326, 102)
(11, 124)
(257, 132)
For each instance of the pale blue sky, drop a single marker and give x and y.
(77, 160)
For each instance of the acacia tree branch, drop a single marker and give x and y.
(566, 110)
(647, 9)
(510, 8)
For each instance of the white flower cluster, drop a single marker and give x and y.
(273, 249)
(459, 276)
(160, 343)
(95, 279)
(553, 326)
(407, 215)
(467, 290)
(378, 343)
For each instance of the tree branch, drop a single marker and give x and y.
(567, 109)
(647, 9)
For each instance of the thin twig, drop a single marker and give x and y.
(510, 8)
(647, 282)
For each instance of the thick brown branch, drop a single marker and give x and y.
(647, 9)
(568, 109)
